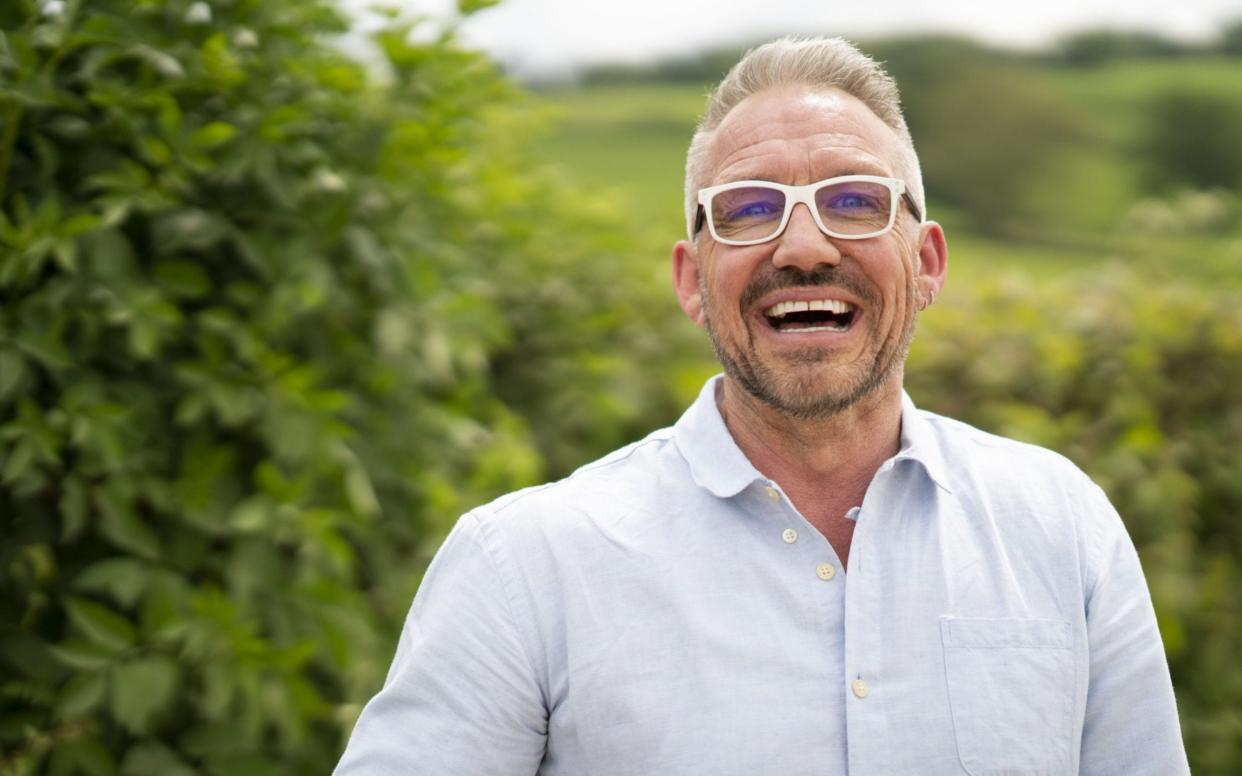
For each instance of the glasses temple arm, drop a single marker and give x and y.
(913, 207)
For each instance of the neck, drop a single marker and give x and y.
(838, 454)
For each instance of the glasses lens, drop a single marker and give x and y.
(748, 213)
(856, 207)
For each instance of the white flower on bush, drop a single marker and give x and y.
(245, 38)
(1187, 212)
(328, 181)
(198, 13)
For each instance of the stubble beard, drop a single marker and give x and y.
(795, 392)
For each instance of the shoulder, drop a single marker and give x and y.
(620, 483)
(1034, 496)
(979, 458)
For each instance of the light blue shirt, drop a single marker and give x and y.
(666, 610)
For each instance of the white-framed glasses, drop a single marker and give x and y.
(848, 207)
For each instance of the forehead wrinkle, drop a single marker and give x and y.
(791, 142)
(781, 164)
(775, 164)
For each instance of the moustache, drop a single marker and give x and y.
(792, 277)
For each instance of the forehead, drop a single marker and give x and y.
(799, 134)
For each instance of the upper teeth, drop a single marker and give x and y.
(835, 306)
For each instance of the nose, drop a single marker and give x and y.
(802, 244)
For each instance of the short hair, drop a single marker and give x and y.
(815, 62)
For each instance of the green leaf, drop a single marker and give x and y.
(83, 656)
(74, 509)
(182, 279)
(81, 694)
(121, 526)
(31, 657)
(253, 515)
(141, 689)
(81, 756)
(467, 7)
(187, 229)
(12, 373)
(19, 462)
(123, 579)
(211, 135)
(152, 757)
(164, 64)
(100, 624)
(360, 492)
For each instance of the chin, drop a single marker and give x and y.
(809, 388)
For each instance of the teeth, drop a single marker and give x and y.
(835, 306)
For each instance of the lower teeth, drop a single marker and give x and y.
(833, 327)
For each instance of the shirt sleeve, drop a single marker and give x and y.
(461, 696)
(1131, 725)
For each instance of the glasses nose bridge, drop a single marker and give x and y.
(803, 196)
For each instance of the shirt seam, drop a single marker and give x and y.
(484, 536)
(605, 462)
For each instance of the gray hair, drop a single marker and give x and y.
(816, 62)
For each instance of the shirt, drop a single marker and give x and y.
(666, 610)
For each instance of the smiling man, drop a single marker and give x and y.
(806, 574)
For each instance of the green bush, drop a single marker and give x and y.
(269, 324)
(1091, 48)
(1190, 138)
(1231, 39)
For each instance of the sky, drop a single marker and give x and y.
(541, 38)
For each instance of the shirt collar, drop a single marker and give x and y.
(918, 443)
(719, 465)
(716, 462)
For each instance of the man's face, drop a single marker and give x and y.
(807, 365)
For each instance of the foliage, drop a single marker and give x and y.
(267, 326)
(1095, 47)
(1231, 39)
(1191, 139)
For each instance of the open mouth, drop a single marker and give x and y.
(812, 315)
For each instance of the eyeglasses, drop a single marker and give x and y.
(850, 207)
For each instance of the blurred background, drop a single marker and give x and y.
(286, 286)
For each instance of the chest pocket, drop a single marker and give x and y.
(1011, 691)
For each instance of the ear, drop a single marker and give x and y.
(933, 260)
(686, 280)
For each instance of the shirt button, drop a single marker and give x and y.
(860, 688)
(790, 536)
(825, 571)
(773, 493)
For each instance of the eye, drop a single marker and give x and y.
(754, 209)
(852, 200)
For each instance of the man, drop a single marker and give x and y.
(683, 605)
